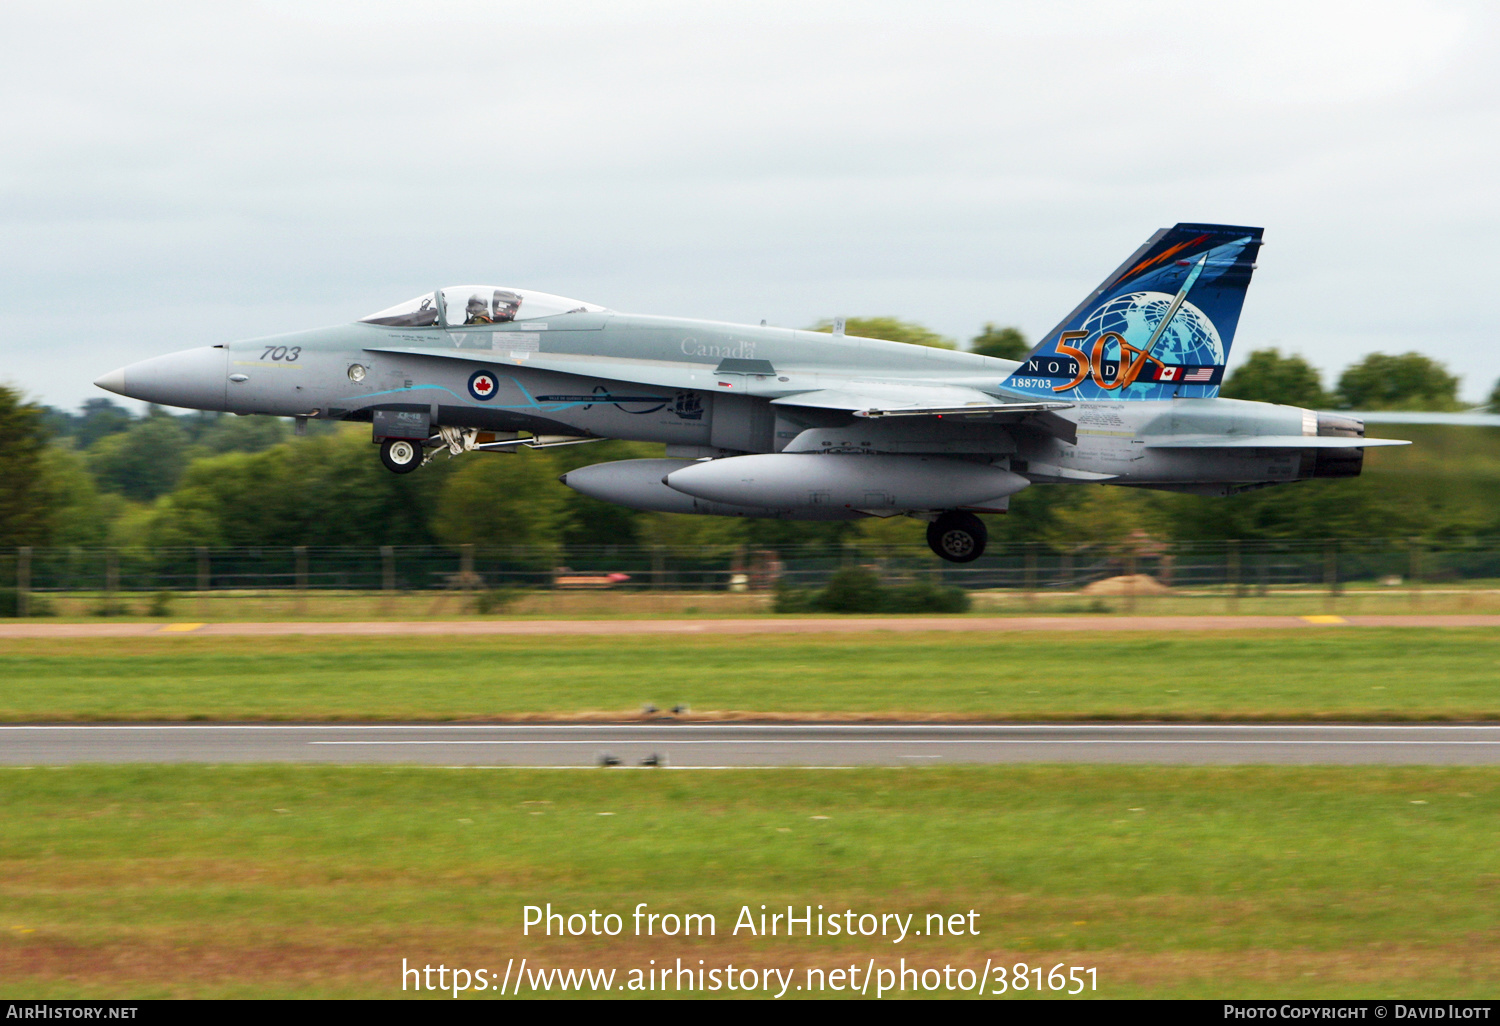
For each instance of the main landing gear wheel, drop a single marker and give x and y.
(401, 455)
(957, 537)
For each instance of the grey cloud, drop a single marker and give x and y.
(173, 174)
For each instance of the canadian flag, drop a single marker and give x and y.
(1168, 374)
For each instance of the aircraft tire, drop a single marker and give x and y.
(957, 537)
(401, 455)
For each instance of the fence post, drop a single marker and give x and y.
(23, 581)
(1331, 572)
(111, 578)
(1130, 582)
(466, 565)
(1030, 575)
(1233, 557)
(203, 581)
(300, 552)
(1416, 572)
(658, 568)
(1067, 571)
(388, 577)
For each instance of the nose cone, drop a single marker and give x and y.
(194, 379)
(114, 381)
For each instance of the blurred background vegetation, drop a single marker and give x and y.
(105, 476)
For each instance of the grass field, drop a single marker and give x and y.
(316, 881)
(1372, 674)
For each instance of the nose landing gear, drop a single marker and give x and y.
(401, 455)
(958, 537)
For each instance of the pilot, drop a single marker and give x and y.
(477, 312)
(507, 305)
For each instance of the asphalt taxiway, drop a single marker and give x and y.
(682, 744)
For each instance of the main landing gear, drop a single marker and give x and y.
(401, 455)
(957, 536)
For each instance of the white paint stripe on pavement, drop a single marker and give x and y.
(908, 741)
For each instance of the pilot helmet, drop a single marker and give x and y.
(506, 304)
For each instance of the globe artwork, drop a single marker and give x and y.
(1190, 340)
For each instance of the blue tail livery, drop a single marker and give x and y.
(1160, 326)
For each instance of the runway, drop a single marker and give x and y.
(762, 625)
(702, 745)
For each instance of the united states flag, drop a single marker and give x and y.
(1201, 374)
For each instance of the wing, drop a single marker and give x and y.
(861, 398)
(882, 399)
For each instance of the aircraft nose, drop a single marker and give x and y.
(114, 381)
(194, 379)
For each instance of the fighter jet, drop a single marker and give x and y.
(763, 421)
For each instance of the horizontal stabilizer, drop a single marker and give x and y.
(1267, 442)
(1468, 418)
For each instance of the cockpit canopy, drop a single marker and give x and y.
(459, 305)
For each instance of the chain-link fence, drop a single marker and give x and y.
(1248, 567)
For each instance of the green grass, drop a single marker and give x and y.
(1404, 673)
(158, 881)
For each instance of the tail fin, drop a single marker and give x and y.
(1160, 326)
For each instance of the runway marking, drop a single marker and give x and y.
(1325, 619)
(909, 741)
(179, 628)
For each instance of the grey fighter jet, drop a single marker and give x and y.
(763, 421)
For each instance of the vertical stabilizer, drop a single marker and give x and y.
(1160, 326)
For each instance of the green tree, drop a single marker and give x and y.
(1493, 405)
(1006, 343)
(143, 462)
(212, 433)
(883, 537)
(589, 521)
(80, 515)
(97, 418)
(324, 491)
(827, 536)
(26, 498)
(1269, 377)
(1410, 381)
(891, 329)
(1104, 518)
(689, 533)
(504, 500)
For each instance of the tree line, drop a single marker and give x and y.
(104, 476)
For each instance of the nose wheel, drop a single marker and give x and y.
(957, 537)
(400, 455)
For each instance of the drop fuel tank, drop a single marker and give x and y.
(638, 485)
(847, 481)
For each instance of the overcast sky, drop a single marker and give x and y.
(182, 174)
